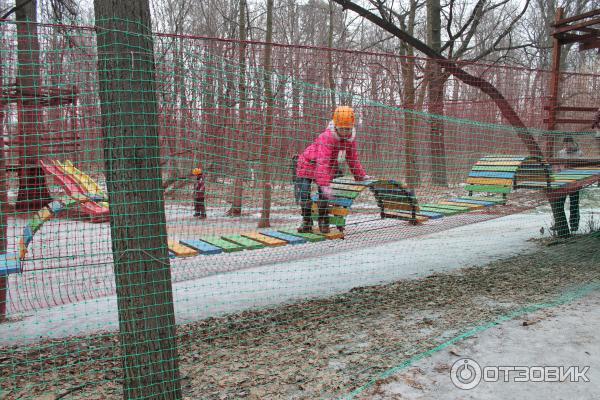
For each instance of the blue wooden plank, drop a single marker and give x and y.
(27, 235)
(342, 202)
(482, 202)
(288, 238)
(202, 247)
(9, 264)
(55, 206)
(491, 174)
(504, 158)
(430, 214)
(580, 171)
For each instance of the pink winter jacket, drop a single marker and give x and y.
(318, 161)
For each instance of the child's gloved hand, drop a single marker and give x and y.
(327, 192)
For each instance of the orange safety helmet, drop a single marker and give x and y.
(343, 117)
(197, 171)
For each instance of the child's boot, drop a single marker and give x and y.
(307, 223)
(323, 217)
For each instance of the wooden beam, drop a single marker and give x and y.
(574, 18)
(570, 121)
(576, 27)
(567, 38)
(590, 44)
(570, 108)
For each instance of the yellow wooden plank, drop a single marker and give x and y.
(471, 206)
(407, 216)
(341, 211)
(181, 250)
(392, 205)
(499, 163)
(266, 240)
(490, 181)
(353, 188)
(44, 214)
(331, 235)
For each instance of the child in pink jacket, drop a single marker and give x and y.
(318, 163)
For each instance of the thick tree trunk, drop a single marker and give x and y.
(33, 192)
(435, 104)
(330, 56)
(241, 155)
(131, 149)
(265, 216)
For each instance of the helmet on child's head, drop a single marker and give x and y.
(197, 171)
(343, 117)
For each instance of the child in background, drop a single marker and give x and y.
(318, 163)
(199, 192)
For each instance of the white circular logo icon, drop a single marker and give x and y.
(465, 374)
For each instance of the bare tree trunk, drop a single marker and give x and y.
(241, 154)
(435, 104)
(33, 192)
(138, 227)
(265, 215)
(3, 207)
(330, 56)
(408, 80)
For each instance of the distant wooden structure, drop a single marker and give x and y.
(583, 29)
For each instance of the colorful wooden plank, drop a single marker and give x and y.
(181, 250)
(504, 157)
(339, 211)
(55, 206)
(570, 176)
(538, 185)
(446, 212)
(227, 246)
(495, 200)
(345, 186)
(487, 188)
(580, 171)
(9, 264)
(491, 174)
(329, 236)
(311, 237)
(431, 214)
(283, 236)
(446, 207)
(499, 163)
(266, 240)
(490, 181)
(474, 201)
(348, 194)
(35, 222)
(470, 205)
(342, 202)
(405, 216)
(202, 247)
(392, 205)
(495, 168)
(247, 244)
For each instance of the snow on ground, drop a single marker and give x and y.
(281, 282)
(563, 336)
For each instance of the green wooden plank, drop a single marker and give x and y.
(311, 237)
(490, 199)
(446, 206)
(488, 188)
(227, 246)
(444, 211)
(248, 244)
(348, 194)
(575, 177)
(499, 168)
(337, 220)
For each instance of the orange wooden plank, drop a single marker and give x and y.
(266, 240)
